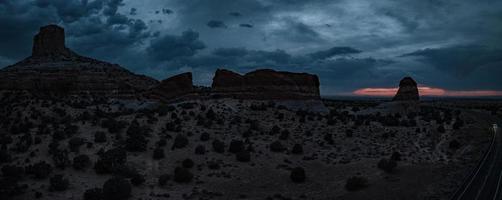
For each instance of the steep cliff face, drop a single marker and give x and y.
(408, 90)
(53, 68)
(266, 84)
(173, 87)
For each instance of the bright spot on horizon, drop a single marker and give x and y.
(427, 91)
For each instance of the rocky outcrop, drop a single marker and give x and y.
(266, 84)
(408, 90)
(174, 87)
(53, 68)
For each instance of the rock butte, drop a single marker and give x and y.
(408, 90)
(55, 69)
(266, 84)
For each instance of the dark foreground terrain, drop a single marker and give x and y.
(237, 149)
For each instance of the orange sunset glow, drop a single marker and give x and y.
(428, 91)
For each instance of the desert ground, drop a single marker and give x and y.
(76, 148)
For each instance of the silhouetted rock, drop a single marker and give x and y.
(408, 90)
(50, 41)
(266, 84)
(54, 69)
(173, 87)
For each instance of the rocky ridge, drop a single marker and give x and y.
(408, 90)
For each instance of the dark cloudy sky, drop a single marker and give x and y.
(454, 45)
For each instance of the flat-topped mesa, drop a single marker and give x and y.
(50, 41)
(266, 84)
(408, 90)
(54, 69)
(173, 87)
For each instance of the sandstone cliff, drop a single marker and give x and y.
(53, 68)
(266, 84)
(408, 90)
(173, 87)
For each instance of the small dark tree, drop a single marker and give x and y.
(93, 194)
(58, 183)
(200, 150)
(180, 141)
(163, 179)
(12, 171)
(297, 149)
(137, 179)
(243, 156)
(81, 162)
(40, 170)
(297, 175)
(236, 146)
(100, 137)
(277, 146)
(182, 175)
(158, 153)
(116, 189)
(188, 163)
(204, 136)
(218, 146)
(356, 183)
(387, 165)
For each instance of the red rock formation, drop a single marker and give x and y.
(53, 68)
(266, 84)
(173, 87)
(408, 90)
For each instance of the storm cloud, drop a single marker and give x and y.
(452, 44)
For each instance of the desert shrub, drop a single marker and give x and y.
(210, 114)
(81, 162)
(182, 175)
(180, 141)
(204, 136)
(161, 143)
(297, 149)
(93, 194)
(5, 157)
(116, 189)
(12, 171)
(236, 146)
(243, 156)
(275, 130)
(349, 133)
(158, 153)
(356, 183)
(40, 170)
(329, 138)
(75, 143)
(441, 129)
(163, 179)
(61, 159)
(218, 146)
(10, 187)
(58, 183)
(454, 144)
(297, 175)
(110, 160)
(213, 165)
(277, 146)
(396, 156)
(136, 140)
(200, 150)
(100, 137)
(138, 179)
(188, 163)
(284, 135)
(387, 165)
(113, 125)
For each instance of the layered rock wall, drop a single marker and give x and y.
(173, 87)
(266, 84)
